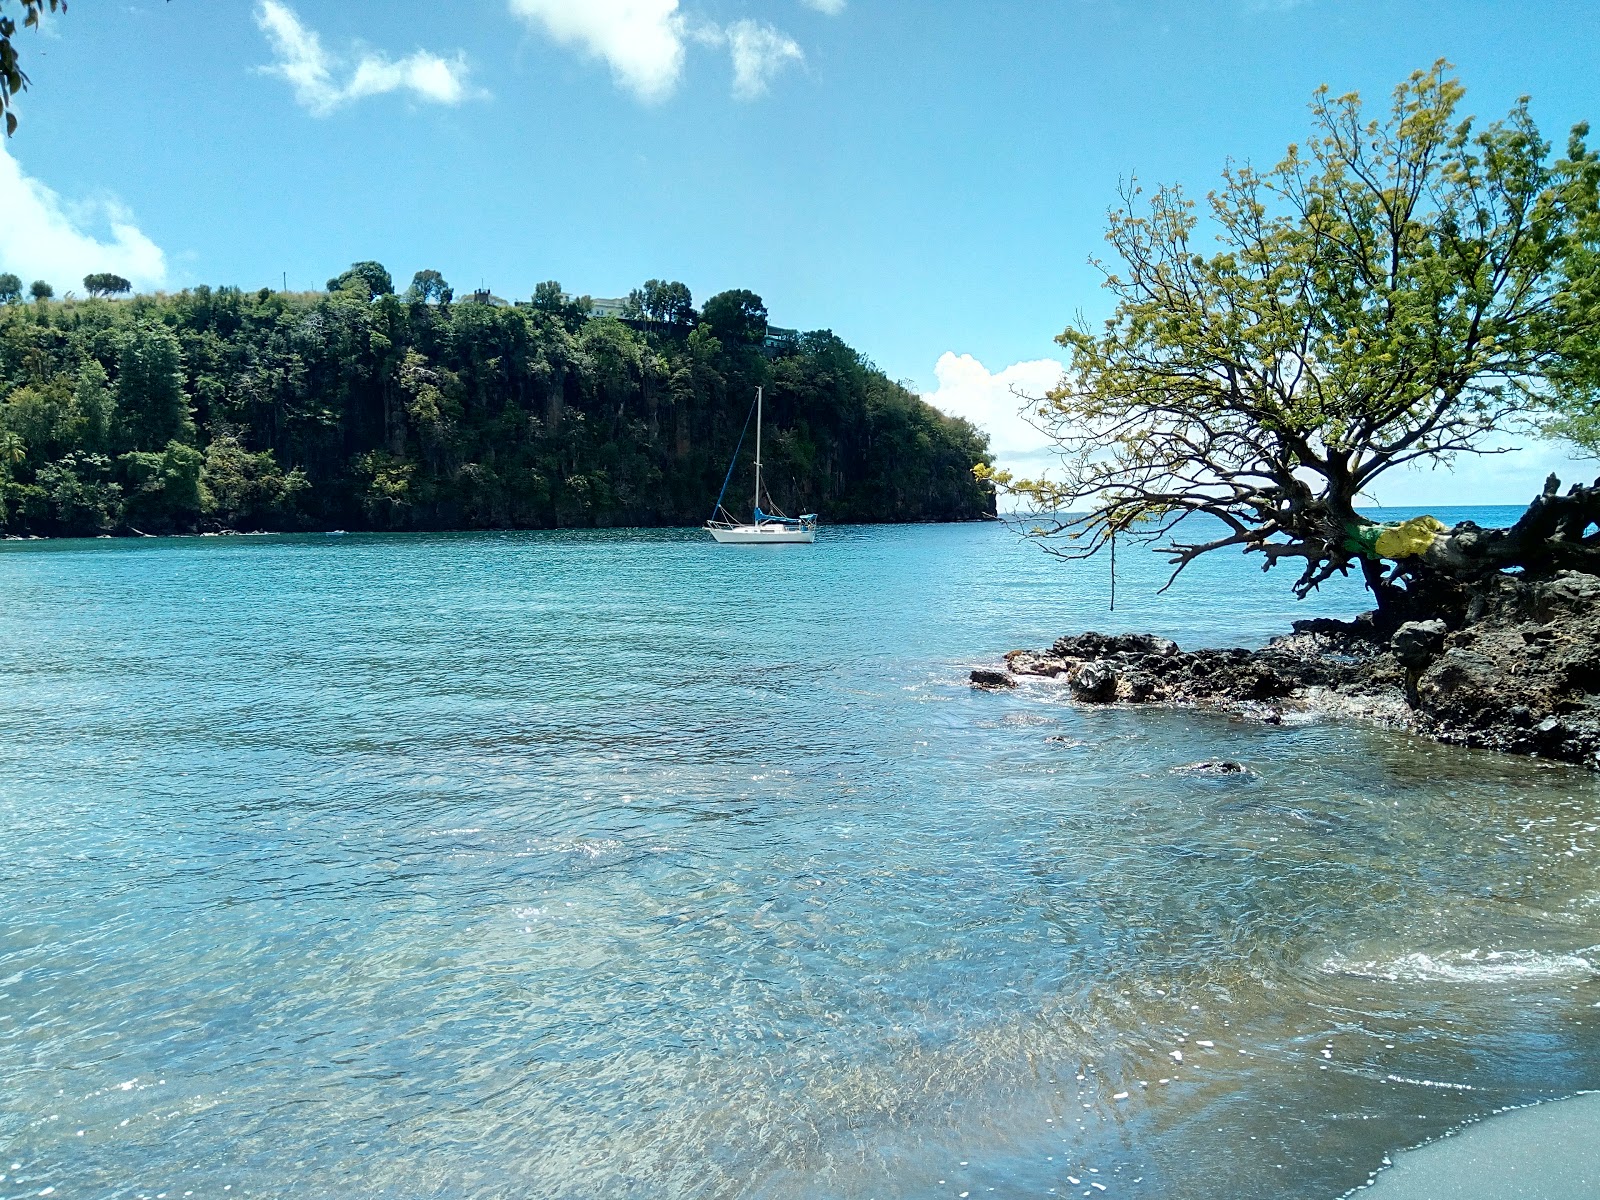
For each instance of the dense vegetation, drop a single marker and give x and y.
(362, 409)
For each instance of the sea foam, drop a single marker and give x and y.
(1468, 966)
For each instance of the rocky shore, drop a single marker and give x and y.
(1517, 669)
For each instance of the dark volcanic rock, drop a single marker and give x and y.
(1522, 676)
(1101, 645)
(989, 678)
(1094, 683)
(1518, 669)
(1416, 643)
(1219, 767)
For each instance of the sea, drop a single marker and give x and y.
(580, 865)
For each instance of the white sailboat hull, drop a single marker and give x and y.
(761, 535)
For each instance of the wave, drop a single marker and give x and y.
(1470, 966)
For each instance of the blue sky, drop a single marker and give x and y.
(927, 179)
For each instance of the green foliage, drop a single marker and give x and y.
(1391, 292)
(41, 415)
(216, 408)
(163, 487)
(659, 300)
(10, 289)
(40, 290)
(150, 394)
(429, 287)
(736, 317)
(549, 298)
(12, 78)
(1577, 372)
(75, 494)
(242, 490)
(369, 280)
(93, 406)
(105, 283)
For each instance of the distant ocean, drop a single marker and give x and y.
(622, 864)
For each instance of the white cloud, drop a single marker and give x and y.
(644, 42)
(832, 7)
(42, 237)
(759, 52)
(641, 40)
(315, 74)
(996, 403)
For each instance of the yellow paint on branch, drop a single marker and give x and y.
(1408, 538)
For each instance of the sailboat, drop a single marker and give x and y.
(765, 528)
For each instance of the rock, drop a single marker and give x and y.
(1141, 688)
(1026, 662)
(1093, 645)
(1219, 767)
(1417, 643)
(1094, 683)
(1515, 666)
(987, 677)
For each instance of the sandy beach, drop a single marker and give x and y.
(1545, 1152)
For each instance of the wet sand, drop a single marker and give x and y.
(1546, 1152)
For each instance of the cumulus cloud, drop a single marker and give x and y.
(323, 82)
(642, 41)
(832, 7)
(759, 52)
(43, 237)
(998, 402)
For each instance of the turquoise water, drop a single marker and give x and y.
(625, 865)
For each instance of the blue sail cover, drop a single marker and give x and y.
(762, 516)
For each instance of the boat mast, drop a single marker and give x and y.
(758, 449)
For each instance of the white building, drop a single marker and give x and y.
(600, 306)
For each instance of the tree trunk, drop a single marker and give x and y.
(1389, 598)
(1553, 535)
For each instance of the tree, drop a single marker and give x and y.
(240, 488)
(670, 303)
(10, 289)
(1577, 374)
(163, 486)
(1390, 293)
(40, 290)
(149, 397)
(370, 279)
(738, 317)
(93, 406)
(106, 284)
(549, 298)
(430, 286)
(12, 78)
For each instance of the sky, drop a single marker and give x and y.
(928, 180)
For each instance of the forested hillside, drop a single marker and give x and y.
(360, 408)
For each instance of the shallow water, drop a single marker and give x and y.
(621, 864)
